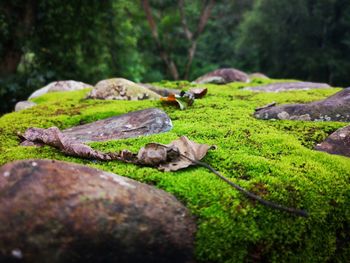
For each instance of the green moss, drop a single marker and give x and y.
(271, 158)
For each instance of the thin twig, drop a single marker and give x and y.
(250, 195)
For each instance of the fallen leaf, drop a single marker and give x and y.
(198, 93)
(177, 155)
(182, 101)
(171, 157)
(55, 138)
(174, 156)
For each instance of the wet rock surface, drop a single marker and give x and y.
(337, 143)
(52, 211)
(22, 105)
(121, 89)
(288, 86)
(333, 108)
(133, 124)
(63, 85)
(223, 76)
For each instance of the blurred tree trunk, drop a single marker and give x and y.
(191, 37)
(20, 22)
(163, 54)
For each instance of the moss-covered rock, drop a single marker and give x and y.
(274, 159)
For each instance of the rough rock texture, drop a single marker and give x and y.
(288, 86)
(161, 91)
(223, 76)
(133, 124)
(52, 211)
(258, 75)
(337, 143)
(63, 85)
(333, 108)
(121, 89)
(22, 105)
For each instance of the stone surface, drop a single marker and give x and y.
(337, 143)
(223, 76)
(333, 108)
(52, 211)
(121, 89)
(288, 86)
(22, 105)
(63, 85)
(133, 124)
(258, 75)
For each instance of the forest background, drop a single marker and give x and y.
(153, 40)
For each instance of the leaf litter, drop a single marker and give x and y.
(178, 154)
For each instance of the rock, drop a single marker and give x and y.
(333, 108)
(121, 89)
(223, 76)
(63, 85)
(164, 92)
(53, 211)
(133, 124)
(288, 86)
(22, 105)
(283, 115)
(337, 143)
(257, 75)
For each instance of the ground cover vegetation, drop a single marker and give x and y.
(273, 159)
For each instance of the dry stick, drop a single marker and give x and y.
(249, 194)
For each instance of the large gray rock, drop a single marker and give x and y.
(337, 143)
(132, 124)
(52, 211)
(121, 89)
(223, 76)
(334, 108)
(63, 85)
(288, 86)
(22, 105)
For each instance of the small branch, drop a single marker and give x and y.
(188, 33)
(163, 54)
(250, 195)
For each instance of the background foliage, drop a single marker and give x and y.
(47, 40)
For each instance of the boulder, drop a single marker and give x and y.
(22, 105)
(333, 108)
(121, 89)
(288, 86)
(63, 85)
(223, 76)
(257, 75)
(132, 124)
(337, 143)
(53, 211)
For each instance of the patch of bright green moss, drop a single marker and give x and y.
(274, 159)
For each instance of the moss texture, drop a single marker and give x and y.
(271, 158)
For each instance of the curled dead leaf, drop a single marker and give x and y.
(182, 101)
(170, 157)
(174, 156)
(198, 93)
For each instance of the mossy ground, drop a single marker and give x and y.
(274, 159)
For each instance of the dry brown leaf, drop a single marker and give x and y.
(171, 157)
(198, 92)
(179, 154)
(55, 138)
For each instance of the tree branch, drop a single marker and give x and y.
(163, 54)
(188, 33)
